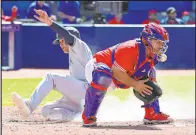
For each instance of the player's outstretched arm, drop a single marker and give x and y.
(139, 86)
(43, 17)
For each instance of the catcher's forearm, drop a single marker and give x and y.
(123, 77)
(69, 38)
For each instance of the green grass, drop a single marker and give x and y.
(23, 87)
(182, 86)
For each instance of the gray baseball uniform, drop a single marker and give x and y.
(72, 86)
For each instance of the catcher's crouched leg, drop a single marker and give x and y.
(101, 79)
(151, 104)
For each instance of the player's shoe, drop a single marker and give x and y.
(22, 104)
(89, 122)
(156, 118)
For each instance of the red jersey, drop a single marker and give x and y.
(126, 56)
(114, 21)
(6, 18)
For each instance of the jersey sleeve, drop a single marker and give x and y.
(126, 58)
(69, 38)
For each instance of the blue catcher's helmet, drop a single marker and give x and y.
(153, 30)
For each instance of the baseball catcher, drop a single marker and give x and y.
(72, 86)
(125, 65)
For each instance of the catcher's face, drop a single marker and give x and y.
(64, 46)
(157, 45)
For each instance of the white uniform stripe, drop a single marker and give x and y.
(117, 65)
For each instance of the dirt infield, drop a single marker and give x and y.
(36, 125)
(14, 124)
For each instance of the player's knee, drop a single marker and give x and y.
(102, 75)
(52, 79)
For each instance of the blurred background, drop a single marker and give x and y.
(27, 43)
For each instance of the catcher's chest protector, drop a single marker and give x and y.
(143, 66)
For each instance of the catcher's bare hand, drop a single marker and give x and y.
(143, 88)
(42, 17)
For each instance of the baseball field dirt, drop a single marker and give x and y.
(126, 119)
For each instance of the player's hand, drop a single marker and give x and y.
(43, 17)
(143, 88)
